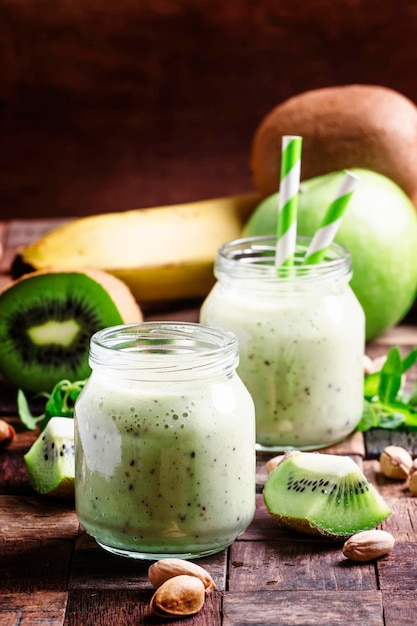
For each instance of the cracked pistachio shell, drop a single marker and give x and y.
(179, 596)
(395, 462)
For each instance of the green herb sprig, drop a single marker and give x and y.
(59, 403)
(386, 404)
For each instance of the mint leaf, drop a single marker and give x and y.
(24, 412)
(62, 399)
(409, 360)
(391, 421)
(371, 385)
(390, 376)
(60, 403)
(370, 417)
(379, 415)
(386, 405)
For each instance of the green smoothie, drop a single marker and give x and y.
(301, 342)
(302, 360)
(165, 468)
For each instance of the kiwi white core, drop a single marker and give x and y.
(47, 333)
(326, 463)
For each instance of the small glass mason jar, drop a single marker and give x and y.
(164, 442)
(301, 333)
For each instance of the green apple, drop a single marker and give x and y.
(379, 228)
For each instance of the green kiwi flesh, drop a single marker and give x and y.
(323, 494)
(46, 321)
(50, 460)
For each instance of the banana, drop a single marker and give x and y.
(161, 253)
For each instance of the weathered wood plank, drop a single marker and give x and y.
(302, 607)
(398, 571)
(33, 618)
(36, 517)
(296, 565)
(130, 608)
(27, 566)
(400, 608)
(377, 439)
(402, 524)
(22, 609)
(14, 477)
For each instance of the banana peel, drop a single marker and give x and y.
(161, 253)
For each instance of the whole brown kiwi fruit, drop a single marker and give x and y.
(347, 126)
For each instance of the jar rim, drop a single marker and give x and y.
(255, 256)
(161, 347)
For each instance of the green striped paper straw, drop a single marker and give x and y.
(288, 200)
(325, 235)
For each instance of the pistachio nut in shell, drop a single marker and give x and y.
(164, 569)
(7, 433)
(273, 463)
(179, 596)
(395, 462)
(412, 483)
(368, 545)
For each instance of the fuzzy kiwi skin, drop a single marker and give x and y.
(303, 526)
(365, 126)
(111, 302)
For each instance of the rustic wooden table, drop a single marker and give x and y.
(53, 573)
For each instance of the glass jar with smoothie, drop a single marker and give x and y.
(164, 442)
(301, 333)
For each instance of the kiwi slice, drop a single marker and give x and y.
(323, 494)
(47, 319)
(50, 460)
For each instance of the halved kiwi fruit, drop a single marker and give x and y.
(47, 319)
(323, 494)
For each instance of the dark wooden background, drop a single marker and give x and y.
(113, 105)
